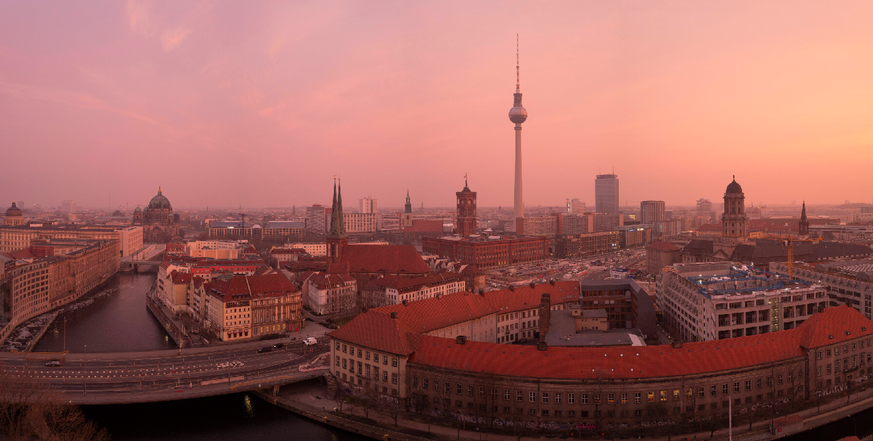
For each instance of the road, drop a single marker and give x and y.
(149, 376)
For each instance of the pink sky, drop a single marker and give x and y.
(261, 103)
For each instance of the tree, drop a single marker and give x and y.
(29, 410)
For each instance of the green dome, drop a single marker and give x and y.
(160, 202)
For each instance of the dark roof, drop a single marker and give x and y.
(698, 247)
(734, 187)
(160, 202)
(386, 259)
(662, 246)
(13, 210)
(830, 250)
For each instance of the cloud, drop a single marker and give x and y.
(173, 37)
(138, 17)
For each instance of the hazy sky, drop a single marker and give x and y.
(262, 103)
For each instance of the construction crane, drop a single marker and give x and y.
(789, 243)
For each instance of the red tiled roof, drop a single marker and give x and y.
(246, 287)
(831, 327)
(662, 246)
(181, 278)
(387, 259)
(324, 280)
(288, 251)
(402, 283)
(383, 333)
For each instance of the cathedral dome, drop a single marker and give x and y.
(160, 202)
(137, 209)
(734, 187)
(13, 210)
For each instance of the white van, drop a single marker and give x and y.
(309, 341)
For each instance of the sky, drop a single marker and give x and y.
(257, 104)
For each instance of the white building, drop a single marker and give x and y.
(391, 290)
(360, 222)
(848, 283)
(368, 205)
(331, 293)
(713, 301)
(313, 249)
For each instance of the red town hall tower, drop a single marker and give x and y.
(466, 211)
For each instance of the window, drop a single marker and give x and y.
(597, 398)
(384, 359)
(724, 388)
(748, 384)
(557, 398)
(367, 355)
(571, 398)
(736, 386)
(394, 378)
(663, 395)
(359, 353)
(385, 375)
(481, 391)
(448, 387)
(651, 397)
(423, 381)
(458, 389)
(337, 346)
(393, 361)
(532, 397)
(758, 383)
(583, 398)
(676, 395)
(624, 398)
(637, 398)
(505, 394)
(518, 395)
(545, 397)
(344, 349)
(610, 398)
(780, 378)
(344, 364)
(469, 391)
(712, 390)
(700, 393)
(829, 368)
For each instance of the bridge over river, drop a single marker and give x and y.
(139, 377)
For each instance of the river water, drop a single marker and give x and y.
(114, 318)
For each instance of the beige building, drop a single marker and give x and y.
(360, 222)
(18, 237)
(715, 301)
(589, 320)
(240, 307)
(215, 249)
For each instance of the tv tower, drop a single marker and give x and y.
(517, 114)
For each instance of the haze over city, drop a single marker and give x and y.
(227, 104)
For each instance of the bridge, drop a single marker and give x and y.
(140, 377)
(151, 254)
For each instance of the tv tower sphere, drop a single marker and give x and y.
(517, 114)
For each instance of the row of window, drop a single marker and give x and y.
(365, 354)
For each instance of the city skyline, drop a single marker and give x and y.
(259, 105)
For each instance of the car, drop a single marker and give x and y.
(53, 363)
(279, 345)
(265, 349)
(309, 341)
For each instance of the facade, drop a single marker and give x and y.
(633, 236)
(607, 222)
(215, 249)
(488, 252)
(159, 222)
(715, 301)
(68, 206)
(661, 254)
(847, 283)
(392, 290)
(606, 194)
(576, 224)
(575, 245)
(652, 211)
(22, 236)
(311, 248)
(47, 283)
(317, 219)
(231, 230)
(283, 231)
(331, 293)
(575, 206)
(240, 307)
(467, 225)
(368, 205)
(538, 226)
(734, 220)
(360, 223)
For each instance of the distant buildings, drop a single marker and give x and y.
(51, 274)
(606, 194)
(368, 205)
(317, 219)
(68, 206)
(13, 217)
(734, 220)
(21, 236)
(392, 290)
(575, 206)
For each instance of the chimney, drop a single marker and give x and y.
(482, 292)
(677, 344)
(545, 313)
(542, 346)
(461, 339)
(512, 288)
(552, 282)
(394, 315)
(405, 302)
(532, 285)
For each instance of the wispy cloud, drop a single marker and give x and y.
(173, 37)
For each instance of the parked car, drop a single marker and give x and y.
(53, 363)
(309, 341)
(279, 345)
(265, 349)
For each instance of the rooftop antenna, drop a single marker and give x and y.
(517, 76)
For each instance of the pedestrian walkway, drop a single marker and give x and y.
(311, 400)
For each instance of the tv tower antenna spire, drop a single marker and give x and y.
(517, 76)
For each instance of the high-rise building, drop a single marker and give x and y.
(68, 206)
(734, 222)
(517, 114)
(318, 219)
(466, 211)
(704, 205)
(606, 194)
(651, 211)
(368, 205)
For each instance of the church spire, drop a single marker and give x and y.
(408, 207)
